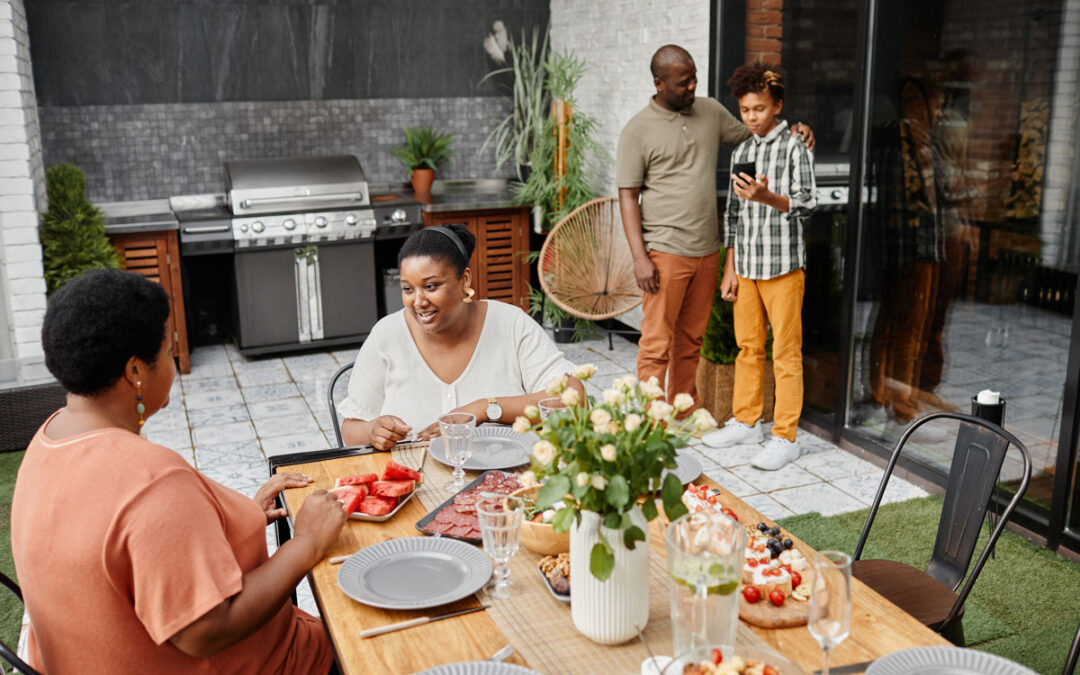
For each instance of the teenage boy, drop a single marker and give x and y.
(763, 269)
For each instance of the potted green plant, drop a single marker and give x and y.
(424, 151)
(516, 136)
(716, 368)
(72, 231)
(605, 462)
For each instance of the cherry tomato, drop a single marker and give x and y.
(751, 593)
(729, 513)
(769, 670)
(766, 560)
(796, 579)
(776, 597)
(717, 656)
(752, 563)
(711, 499)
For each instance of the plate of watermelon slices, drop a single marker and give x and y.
(367, 496)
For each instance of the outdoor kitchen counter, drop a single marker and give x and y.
(152, 215)
(468, 195)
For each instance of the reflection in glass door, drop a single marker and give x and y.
(968, 254)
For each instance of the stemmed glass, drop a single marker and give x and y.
(830, 602)
(500, 528)
(457, 430)
(548, 406)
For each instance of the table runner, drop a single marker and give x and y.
(539, 626)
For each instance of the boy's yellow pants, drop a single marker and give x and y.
(780, 300)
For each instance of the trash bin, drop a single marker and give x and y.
(391, 288)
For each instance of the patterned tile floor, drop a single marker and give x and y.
(231, 413)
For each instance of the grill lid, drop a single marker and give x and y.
(256, 186)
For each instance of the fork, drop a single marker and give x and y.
(502, 654)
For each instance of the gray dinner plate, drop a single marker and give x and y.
(414, 573)
(945, 661)
(688, 469)
(493, 447)
(478, 668)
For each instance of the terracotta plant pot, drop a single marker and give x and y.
(716, 384)
(422, 180)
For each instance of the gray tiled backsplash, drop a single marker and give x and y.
(152, 151)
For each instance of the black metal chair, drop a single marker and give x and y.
(6, 652)
(931, 595)
(331, 401)
(1074, 652)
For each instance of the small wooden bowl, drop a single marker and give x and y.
(541, 537)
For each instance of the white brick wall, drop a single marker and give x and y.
(1058, 238)
(616, 39)
(22, 195)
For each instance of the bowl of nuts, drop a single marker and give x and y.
(555, 569)
(537, 533)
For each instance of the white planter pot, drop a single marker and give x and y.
(613, 611)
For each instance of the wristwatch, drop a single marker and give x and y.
(494, 410)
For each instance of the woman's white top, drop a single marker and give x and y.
(514, 356)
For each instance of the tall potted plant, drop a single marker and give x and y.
(604, 462)
(424, 151)
(517, 135)
(716, 368)
(72, 233)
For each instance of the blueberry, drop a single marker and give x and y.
(788, 543)
(762, 527)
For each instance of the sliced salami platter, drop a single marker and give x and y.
(456, 517)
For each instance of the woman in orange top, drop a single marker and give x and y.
(130, 561)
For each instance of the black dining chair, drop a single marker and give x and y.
(334, 393)
(6, 652)
(1074, 652)
(930, 595)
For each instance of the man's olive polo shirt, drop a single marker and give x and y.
(671, 156)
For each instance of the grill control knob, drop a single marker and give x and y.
(398, 216)
(837, 194)
(257, 227)
(243, 228)
(289, 224)
(350, 219)
(320, 221)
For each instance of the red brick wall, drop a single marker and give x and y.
(764, 30)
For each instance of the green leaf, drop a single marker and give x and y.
(613, 520)
(601, 562)
(648, 509)
(672, 491)
(632, 535)
(562, 520)
(617, 492)
(552, 491)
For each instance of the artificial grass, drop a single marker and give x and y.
(11, 609)
(1023, 606)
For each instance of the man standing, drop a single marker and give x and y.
(667, 157)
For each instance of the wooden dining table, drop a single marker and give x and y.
(536, 624)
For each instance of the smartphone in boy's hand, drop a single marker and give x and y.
(744, 167)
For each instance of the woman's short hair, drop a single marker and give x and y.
(452, 244)
(96, 322)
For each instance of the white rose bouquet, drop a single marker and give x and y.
(607, 457)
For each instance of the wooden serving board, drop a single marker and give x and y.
(792, 614)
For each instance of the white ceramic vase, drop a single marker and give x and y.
(613, 611)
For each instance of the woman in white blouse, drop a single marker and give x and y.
(445, 352)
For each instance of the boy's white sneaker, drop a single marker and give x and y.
(776, 454)
(734, 433)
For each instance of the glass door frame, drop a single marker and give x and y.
(728, 30)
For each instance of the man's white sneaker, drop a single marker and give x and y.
(776, 453)
(734, 433)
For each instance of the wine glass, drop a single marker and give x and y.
(830, 602)
(500, 528)
(548, 406)
(457, 430)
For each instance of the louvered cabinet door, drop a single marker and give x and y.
(500, 262)
(156, 256)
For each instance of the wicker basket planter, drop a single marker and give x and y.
(716, 382)
(24, 409)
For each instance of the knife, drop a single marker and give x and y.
(848, 669)
(372, 632)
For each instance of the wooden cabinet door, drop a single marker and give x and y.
(156, 256)
(500, 264)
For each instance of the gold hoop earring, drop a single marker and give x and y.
(469, 293)
(139, 407)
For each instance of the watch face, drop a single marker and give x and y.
(494, 411)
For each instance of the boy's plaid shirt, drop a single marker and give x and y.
(769, 243)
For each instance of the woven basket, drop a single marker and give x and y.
(716, 383)
(23, 410)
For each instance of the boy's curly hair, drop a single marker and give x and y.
(755, 78)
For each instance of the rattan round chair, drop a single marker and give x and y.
(585, 264)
